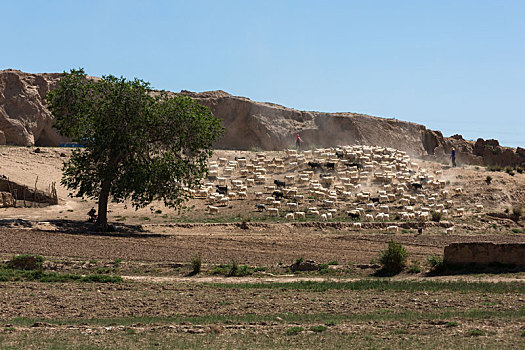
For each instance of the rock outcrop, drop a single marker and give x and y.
(25, 120)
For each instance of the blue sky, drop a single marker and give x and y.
(455, 66)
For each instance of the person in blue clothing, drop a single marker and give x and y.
(453, 156)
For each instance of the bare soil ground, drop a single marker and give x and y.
(159, 306)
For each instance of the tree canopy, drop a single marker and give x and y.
(139, 144)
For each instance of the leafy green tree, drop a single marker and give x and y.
(140, 145)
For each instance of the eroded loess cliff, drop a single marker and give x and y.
(25, 120)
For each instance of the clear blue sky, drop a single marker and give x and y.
(456, 66)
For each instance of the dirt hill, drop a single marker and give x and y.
(25, 120)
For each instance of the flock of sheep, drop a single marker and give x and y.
(361, 182)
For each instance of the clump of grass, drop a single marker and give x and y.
(436, 216)
(488, 179)
(318, 329)
(238, 271)
(493, 168)
(436, 263)
(234, 269)
(393, 258)
(7, 275)
(294, 330)
(414, 268)
(221, 269)
(196, 263)
(509, 170)
(26, 262)
(517, 211)
(476, 332)
(145, 218)
(117, 262)
(451, 324)
(333, 262)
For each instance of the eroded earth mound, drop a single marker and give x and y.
(25, 120)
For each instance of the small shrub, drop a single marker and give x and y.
(234, 269)
(509, 170)
(517, 211)
(196, 264)
(299, 260)
(294, 330)
(318, 329)
(117, 262)
(519, 170)
(488, 179)
(494, 168)
(394, 258)
(26, 262)
(436, 216)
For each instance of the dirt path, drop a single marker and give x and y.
(293, 278)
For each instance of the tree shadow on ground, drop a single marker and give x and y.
(81, 228)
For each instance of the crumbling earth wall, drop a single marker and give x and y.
(484, 253)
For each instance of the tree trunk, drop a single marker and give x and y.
(102, 219)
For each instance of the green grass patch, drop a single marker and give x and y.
(318, 329)
(10, 275)
(385, 285)
(475, 333)
(327, 319)
(294, 330)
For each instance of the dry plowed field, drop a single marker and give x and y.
(159, 303)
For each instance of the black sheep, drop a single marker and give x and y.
(278, 194)
(222, 189)
(279, 183)
(314, 165)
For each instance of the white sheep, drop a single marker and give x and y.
(392, 229)
(213, 210)
(273, 211)
(300, 214)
